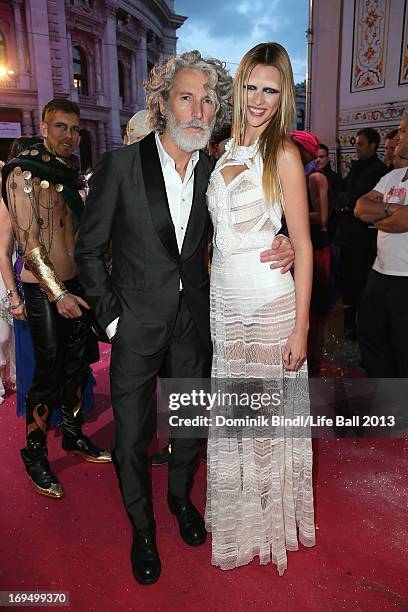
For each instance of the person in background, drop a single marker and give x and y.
(383, 317)
(335, 186)
(9, 301)
(403, 128)
(217, 142)
(320, 198)
(357, 240)
(390, 143)
(23, 346)
(324, 164)
(40, 191)
(137, 128)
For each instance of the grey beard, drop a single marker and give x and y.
(189, 142)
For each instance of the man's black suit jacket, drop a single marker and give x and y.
(127, 204)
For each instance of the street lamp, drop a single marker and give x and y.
(5, 72)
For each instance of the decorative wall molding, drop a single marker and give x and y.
(368, 115)
(369, 44)
(403, 75)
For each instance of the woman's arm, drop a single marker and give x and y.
(319, 195)
(293, 182)
(6, 265)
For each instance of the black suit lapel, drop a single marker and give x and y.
(198, 216)
(156, 195)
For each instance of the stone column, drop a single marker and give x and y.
(98, 67)
(111, 72)
(142, 65)
(72, 89)
(41, 59)
(106, 125)
(21, 47)
(133, 83)
(322, 103)
(36, 119)
(28, 124)
(101, 138)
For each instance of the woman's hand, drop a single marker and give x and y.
(18, 313)
(295, 351)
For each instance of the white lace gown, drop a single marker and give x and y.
(259, 497)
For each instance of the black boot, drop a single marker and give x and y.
(39, 471)
(144, 556)
(77, 443)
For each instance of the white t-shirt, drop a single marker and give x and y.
(392, 249)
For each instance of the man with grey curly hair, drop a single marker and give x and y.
(159, 88)
(149, 199)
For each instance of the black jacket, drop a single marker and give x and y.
(362, 178)
(127, 204)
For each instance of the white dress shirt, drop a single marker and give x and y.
(180, 198)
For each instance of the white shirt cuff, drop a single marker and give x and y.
(111, 329)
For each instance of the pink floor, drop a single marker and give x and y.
(80, 544)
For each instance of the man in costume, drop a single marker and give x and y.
(40, 190)
(149, 199)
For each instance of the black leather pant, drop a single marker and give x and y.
(62, 350)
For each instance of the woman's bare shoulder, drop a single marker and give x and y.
(288, 153)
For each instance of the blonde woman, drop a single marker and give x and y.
(260, 500)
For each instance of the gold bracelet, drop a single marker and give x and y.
(39, 264)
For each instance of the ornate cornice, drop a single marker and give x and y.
(84, 17)
(111, 8)
(387, 112)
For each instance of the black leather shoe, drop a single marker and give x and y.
(144, 557)
(82, 445)
(39, 471)
(190, 521)
(162, 456)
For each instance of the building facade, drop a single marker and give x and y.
(300, 105)
(94, 52)
(358, 71)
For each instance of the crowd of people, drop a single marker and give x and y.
(128, 262)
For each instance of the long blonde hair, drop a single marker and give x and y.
(275, 134)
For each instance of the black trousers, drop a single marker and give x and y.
(383, 326)
(133, 382)
(63, 350)
(355, 266)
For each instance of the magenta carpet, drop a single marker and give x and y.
(80, 544)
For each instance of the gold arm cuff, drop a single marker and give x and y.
(39, 264)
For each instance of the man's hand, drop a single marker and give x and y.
(69, 306)
(18, 313)
(281, 254)
(392, 208)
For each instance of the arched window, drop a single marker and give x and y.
(121, 77)
(80, 71)
(3, 52)
(85, 150)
